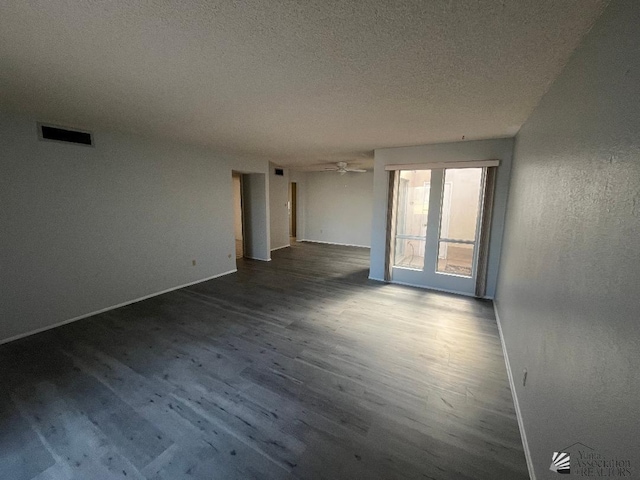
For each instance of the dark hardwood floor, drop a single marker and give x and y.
(296, 368)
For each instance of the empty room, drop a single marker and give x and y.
(319, 240)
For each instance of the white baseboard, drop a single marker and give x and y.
(523, 435)
(443, 290)
(335, 243)
(123, 304)
(429, 288)
(279, 248)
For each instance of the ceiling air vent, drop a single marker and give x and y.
(57, 134)
(280, 171)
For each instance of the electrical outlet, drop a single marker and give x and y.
(193, 262)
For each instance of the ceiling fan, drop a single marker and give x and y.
(341, 168)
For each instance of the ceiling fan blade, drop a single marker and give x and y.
(329, 169)
(358, 170)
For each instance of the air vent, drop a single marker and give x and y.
(57, 134)
(280, 172)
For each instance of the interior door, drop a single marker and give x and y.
(437, 231)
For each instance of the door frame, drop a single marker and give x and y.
(238, 175)
(293, 209)
(429, 277)
(255, 215)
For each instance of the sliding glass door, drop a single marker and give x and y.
(437, 228)
(414, 188)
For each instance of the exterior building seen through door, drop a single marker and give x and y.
(437, 226)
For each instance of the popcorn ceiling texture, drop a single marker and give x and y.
(297, 82)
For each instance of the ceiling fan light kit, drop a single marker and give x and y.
(342, 168)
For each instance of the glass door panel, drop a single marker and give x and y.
(455, 259)
(438, 214)
(459, 221)
(412, 211)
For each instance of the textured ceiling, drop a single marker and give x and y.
(297, 82)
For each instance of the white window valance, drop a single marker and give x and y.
(435, 165)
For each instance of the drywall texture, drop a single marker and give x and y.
(499, 149)
(569, 288)
(86, 228)
(338, 207)
(279, 208)
(297, 81)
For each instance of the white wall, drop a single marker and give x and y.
(338, 207)
(279, 211)
(500, 149)
(569, 288)
(87, 228)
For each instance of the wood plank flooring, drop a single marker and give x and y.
(296, 368)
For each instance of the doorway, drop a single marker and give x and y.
(238, 214)
(293, 212)
(435, 227)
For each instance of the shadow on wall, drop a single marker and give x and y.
(255, 216)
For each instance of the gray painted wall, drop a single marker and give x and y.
(500, 149)
(87, 228)
(279, 211)
(569, 285)
(338, 207)
(255, 190)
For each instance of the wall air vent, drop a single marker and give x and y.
(280, 172)
(57, 134)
